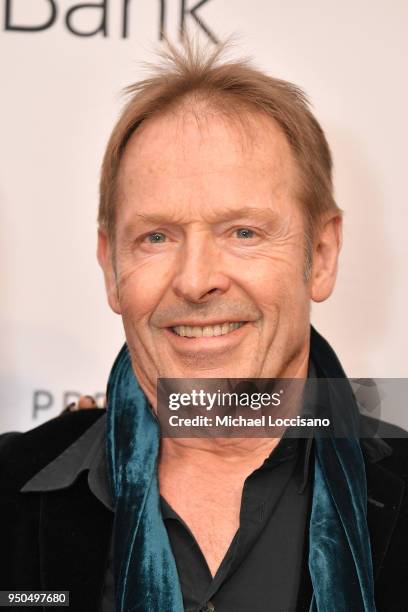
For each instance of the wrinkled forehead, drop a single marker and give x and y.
(192, 146)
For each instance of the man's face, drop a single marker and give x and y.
(209, 250)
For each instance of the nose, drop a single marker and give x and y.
(199, 275)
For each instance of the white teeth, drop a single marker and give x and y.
(217, 330)
(207, 331)
(225, 328)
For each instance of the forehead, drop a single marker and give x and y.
(200, 157)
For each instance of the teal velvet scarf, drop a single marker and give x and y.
(146, 578)
(339, 547)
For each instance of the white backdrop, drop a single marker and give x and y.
(59, 100)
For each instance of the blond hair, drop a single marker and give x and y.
(233, 83)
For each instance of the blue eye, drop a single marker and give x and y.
(156, 237)
(244, 232)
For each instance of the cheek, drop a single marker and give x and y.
(140, 290)
(272, 285)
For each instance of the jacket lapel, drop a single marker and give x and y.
(385, 494)
(75, 535)
(385, 490)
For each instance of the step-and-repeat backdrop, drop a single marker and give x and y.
(63, 65)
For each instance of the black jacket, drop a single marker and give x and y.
(60, 540)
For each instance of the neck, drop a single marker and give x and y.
(230, 451)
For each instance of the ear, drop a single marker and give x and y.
(105, 258)
(325, 257)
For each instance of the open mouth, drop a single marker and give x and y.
(187, 331)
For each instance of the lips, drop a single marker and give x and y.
(207, 331)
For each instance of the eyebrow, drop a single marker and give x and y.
(227, 214)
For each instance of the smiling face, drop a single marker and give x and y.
(209, 253)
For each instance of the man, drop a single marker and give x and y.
(217, 228)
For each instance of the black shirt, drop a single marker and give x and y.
(261, 569)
